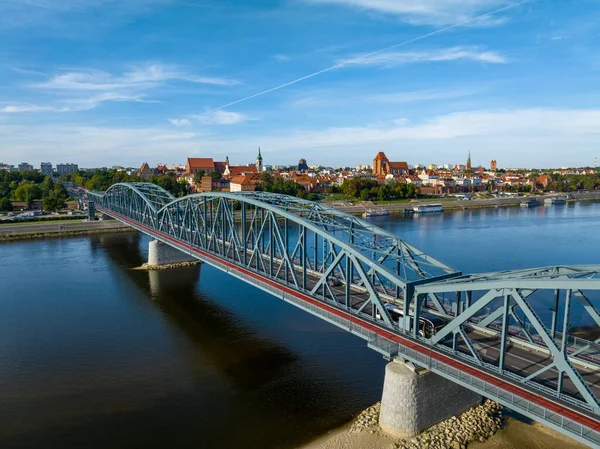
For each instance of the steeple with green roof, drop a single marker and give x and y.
(259, 164)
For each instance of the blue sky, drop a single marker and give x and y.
(106, 82)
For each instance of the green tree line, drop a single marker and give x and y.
(369, 189)
(28, 186)
(273, 184)
(102, 179)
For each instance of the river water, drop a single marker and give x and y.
(96, 354)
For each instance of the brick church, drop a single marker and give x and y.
(382, 166)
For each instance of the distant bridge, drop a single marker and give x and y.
(482, 331)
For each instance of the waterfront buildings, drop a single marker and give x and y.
(259, 162)
(145, 172)
(302, 165)
(66, 169)
(382, 166)
(244, 183)
(24, 166)
(46, 169)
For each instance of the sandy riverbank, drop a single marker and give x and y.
(514, 435)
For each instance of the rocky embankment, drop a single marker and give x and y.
(169, 266)
(477, 424)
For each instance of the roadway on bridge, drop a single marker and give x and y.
(518, 360)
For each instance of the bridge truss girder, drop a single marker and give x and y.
(348, 263)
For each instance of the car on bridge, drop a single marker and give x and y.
(429, 324)
(335, 282)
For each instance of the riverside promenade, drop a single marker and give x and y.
(41, 229)
(358, 207)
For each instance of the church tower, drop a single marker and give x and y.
(469, 162)
(259, 162)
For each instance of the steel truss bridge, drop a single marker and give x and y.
(506, 335)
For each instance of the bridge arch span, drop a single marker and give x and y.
(403, 301)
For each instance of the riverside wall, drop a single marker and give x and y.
(9, 232)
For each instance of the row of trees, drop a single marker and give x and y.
(28, 186)
(270, 183)
(368, 189)
(103, 179)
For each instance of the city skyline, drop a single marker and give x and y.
(147, 81)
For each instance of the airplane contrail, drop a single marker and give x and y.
(368, 55)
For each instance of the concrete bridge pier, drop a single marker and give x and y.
(415, 399)
(161, 254)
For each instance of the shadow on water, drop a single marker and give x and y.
(281, 403)
(245, 359)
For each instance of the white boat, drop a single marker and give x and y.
(426, 208)
(375, 213)
(530, 203)
(555, 200)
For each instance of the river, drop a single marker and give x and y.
(96, 354)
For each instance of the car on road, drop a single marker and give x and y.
(335, 282)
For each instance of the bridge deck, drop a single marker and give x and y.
(479, 340)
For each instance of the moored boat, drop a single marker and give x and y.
(427, 208)
(530, 203)
(556, 200)
(375, 213)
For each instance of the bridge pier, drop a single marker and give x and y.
(161, 254)
(415, 399)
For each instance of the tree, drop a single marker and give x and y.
(364, 194)
(52, 203)
(198, 177)
(60, 192)
(5, 204)
(28, 192)
(47, 186)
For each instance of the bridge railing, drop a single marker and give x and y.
(510, 400)
(390, 348)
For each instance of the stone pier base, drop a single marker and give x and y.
(415, 399)
(161, 254)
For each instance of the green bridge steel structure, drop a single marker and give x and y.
(490, 332)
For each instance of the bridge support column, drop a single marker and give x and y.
(415, 399)
(161, 254)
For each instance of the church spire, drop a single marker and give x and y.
(469, 162)
(259, 162)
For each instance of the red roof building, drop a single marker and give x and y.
(382, 166)
(196, 164)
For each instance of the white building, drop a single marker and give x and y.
(46, 168)
(66, 169)
(24, 166)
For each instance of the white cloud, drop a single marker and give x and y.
(430, 12)
(522, 137)
(420, 96)
(391, 59)
(330, 98)
(140, 77)
(173, 136)
(282, 58)
(85, 90)
(19, 108)
(180, 121)
(72, 104)
(221, 118)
